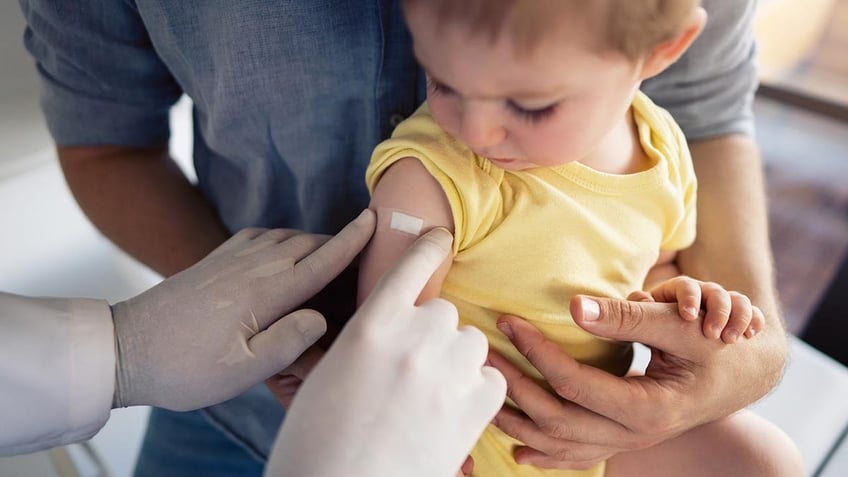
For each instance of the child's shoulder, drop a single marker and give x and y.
(666, 135)
(445, 157)
(666, 138)
(660, 120)
(421, 136)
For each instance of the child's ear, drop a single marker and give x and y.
(667, 52)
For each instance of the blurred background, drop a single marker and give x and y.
(48, 246)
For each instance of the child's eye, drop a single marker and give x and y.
(533, 116)
(438, 88)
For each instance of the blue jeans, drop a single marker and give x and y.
(220, 441)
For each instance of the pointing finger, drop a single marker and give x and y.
(403, 282)
(336, 254)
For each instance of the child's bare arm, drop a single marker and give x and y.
(406, 188)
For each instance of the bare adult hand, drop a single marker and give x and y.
(594, 415)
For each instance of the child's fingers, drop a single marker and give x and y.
(640, 295)
(666, 292)
(741, 315)
(467, 467)
(688, 296)
(685, 291)
(758, 320)
(718, 308)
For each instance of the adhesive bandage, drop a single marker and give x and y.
(399, 221)
(406, 223)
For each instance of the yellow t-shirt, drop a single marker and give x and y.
(527, 241)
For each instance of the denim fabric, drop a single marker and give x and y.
(186, 443)
(290, 98)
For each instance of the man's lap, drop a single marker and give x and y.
(230, 439)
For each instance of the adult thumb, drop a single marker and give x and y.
(284, 341)
(654, 324)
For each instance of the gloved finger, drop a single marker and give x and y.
(293, 271)
(298, 244)
(321, 266)
(248, 233)
(403, 283)
(238, 239)
(282, 343)
(487, 398)
(468, 351)
(436, 317)
(281, 235)
(493, 393)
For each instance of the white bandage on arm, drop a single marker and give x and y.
(406, 223)
(400, 221)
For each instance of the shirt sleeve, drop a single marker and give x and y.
(469, 182)
(102, 81)
(710, 89)
(57, 371)
(682, 232)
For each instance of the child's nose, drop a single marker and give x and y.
(480, 126)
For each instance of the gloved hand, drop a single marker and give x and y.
(210, 332)
(402, 391)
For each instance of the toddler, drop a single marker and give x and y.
(558, 178)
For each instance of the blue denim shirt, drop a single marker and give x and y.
(290, 97)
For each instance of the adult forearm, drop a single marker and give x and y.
(141, 200)
(732, 246)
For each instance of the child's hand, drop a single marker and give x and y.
(727, 314)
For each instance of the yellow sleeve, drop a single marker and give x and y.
(468, 182)
(682, 173)
(679, 232)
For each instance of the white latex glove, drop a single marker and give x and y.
(210, 332)
(401, 392)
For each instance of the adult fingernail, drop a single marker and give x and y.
(591, 309)
(506, 329)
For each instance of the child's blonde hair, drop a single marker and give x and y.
(631, 27)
